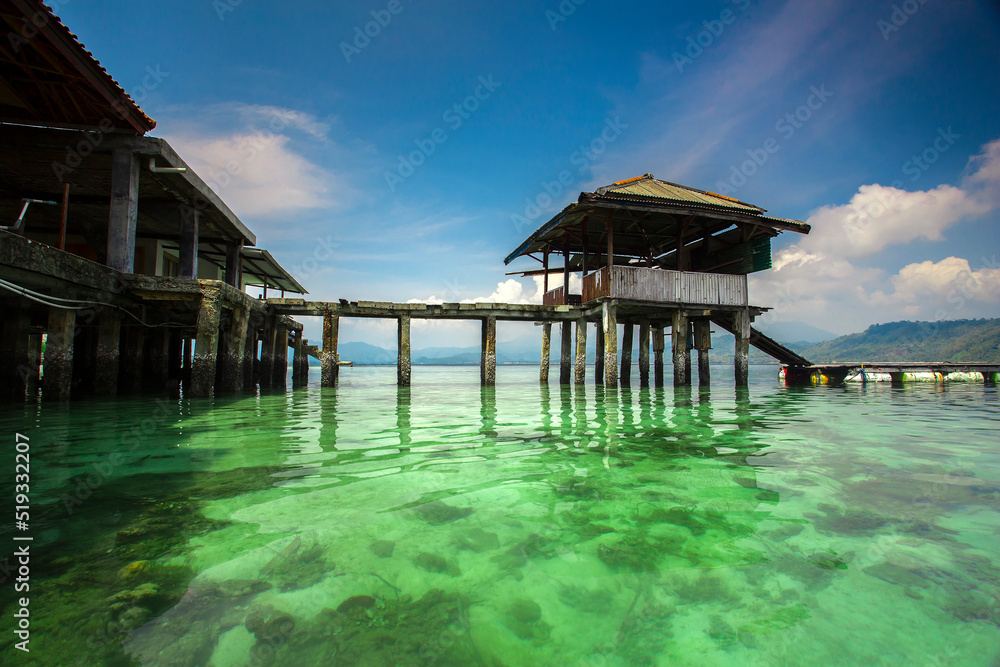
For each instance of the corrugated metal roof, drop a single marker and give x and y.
(653, 188)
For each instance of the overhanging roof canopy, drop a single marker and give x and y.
(259, 266)
(48, 78)
(662, 224)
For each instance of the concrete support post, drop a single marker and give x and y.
(206, 346)
(14, 354)
(488, 365)
(188, 251)
(703, 343)
(124, 210)
(298, 350)
(658, 347)
(156, 357)
(609, 316)
(741, 359)
(250, 354)
(234, 265)
(58, 363)
(565, 351)
(265, 370)
(233, 366)
(543, 364)
(34, 362)
(174, 355)
(679, 347)
(187, 354)
(644, 352)
(403, 361)
(329, 357)
(599, 353)
(580, 366)
(628, 331)
(280, 376)
(131, 358)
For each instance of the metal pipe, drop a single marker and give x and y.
(17, 225)
(165, 170)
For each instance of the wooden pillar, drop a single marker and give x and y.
(329, 358)
(609, 316)
(58, 363)
(488, 363)
(543, 365)
(644, 352)
(679, 347)
(234, 265)
(265, 369)
(124, 209)
(403, 361)
(628, 331)
(188, 252)
(14, 354)
(565, 271)
(280, 368)
(580, 367)
(206, 346)
(741, 359)
(232, 371)
(703, 343)
(658, 346)
(566, 351)
(599, 355)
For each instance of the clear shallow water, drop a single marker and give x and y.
(447, 524)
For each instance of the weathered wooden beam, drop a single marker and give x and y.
(543, 364)
(488, 363)
(644, 352)
(580, 367)
(679, 345)
(610, 320)
(565, 352)
(124, 210)
(741, 358)
(703, 343)
(206, 346)
(628, 331)
(403, 361)
(58, 367)
(329, 359)
(658, 346)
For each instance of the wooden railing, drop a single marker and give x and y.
(642, 284)
(558, 297)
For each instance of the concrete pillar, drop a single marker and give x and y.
(156, 356)
(186, 360)
(265, 369)
(14, 354)
(488, 364)
(329, 357)
(280, 377)
(599, 355)
(741, 359)
(403, 361)
(234, 265)
(131, 356)
(124, 209)
(206, 346)
(679, 346)
(658, 346)
(644, 352)
(233, 366)
(298, 374)
(34, 362)
(543, 365)
(609, 315)
(188, 251)
(565, 351)
(250, 353)
(628, 331)
(703, 343)
(174, 355)
(580, 366)
(58, 363)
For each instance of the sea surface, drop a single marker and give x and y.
(448, 524)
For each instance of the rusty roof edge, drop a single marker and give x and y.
(60, 36)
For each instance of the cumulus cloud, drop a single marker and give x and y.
(512, 291)
(818, 280)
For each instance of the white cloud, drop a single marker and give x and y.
(952, 276)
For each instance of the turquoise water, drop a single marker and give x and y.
(446, 524)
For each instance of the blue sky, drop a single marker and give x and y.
(348, 157)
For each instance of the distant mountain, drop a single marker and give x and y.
(945, 340)
(794, 332)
